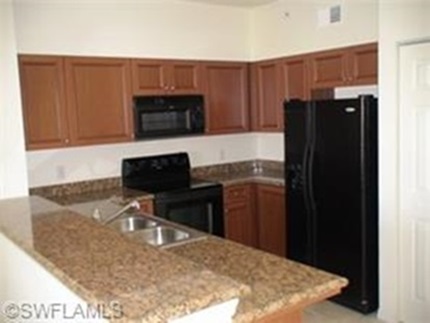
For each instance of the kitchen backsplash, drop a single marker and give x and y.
(253, 167)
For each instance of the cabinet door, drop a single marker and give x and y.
(185, 78)
(147, 206)
(99, 96)
(328, 69)
(240, 221)
(294, 78)
(150, 77)
(43, 101)
(268, 96)
(226, 97)
(363, 66)
(271, 219)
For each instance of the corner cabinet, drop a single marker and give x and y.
(164, 77)
(271, 219)
(99, 99)
(71, 101)
(273, 82)
(226, 97)
(266, 104)
(44, 101)
(356, 65)
(239, 216)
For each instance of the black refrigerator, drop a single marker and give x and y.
(332, 192)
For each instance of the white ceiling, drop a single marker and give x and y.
(236, 3)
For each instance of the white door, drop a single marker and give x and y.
(414, 168)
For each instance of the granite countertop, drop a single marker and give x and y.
(151, 284)
(101, 265)
(244, 177)
(275, 283)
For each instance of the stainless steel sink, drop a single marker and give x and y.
(155, 231)
(132, 223)
(163, 235)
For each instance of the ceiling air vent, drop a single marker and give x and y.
(330, 15)
(335, 14)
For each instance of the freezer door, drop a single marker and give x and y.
(298, 212)
(339, 192)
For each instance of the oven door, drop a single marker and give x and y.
(201, 209)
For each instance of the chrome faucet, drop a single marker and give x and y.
(133, 204)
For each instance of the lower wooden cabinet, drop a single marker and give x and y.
(271, 219)
(240, 222)
(255, 216)
(147, 206)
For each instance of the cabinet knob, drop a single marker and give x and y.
(66, 141)
(166, 88)
(172, 88)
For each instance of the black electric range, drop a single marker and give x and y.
(177, 196)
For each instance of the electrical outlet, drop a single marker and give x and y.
(222, 154)
(61, 173)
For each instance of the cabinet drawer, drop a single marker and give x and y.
(237, 193)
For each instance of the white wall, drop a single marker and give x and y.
(400, 20)
(56, 166)
(142, 28)
(173, 29)
(13, 172)
(273, 34)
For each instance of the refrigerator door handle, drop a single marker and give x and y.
(306, 163)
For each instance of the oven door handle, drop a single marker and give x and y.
(210, 218)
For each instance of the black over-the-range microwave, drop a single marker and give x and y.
(168, 116)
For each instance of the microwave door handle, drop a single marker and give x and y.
(210, 218)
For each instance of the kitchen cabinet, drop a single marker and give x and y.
(266, 104)
(272, 83)
(271, 219)
(75, 101)
(240, 222)
(99, 100)
(43, 101)
(147, 206)
(166, 77)
(226, 97)
(356, 65)
(294, 78)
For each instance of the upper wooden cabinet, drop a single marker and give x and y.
(294, 78)
(226, 97)
(364, 64)
(99, 98)
(266, 96)
(355, 65)
(161, 77)
(75, 101)
(43, 101)
(273, 82)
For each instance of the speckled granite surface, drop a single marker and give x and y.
(152, 285)
(275, 283)
(101, 265)
(256, 171)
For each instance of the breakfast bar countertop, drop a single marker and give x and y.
(102, 266)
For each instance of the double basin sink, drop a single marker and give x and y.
(154, 231)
